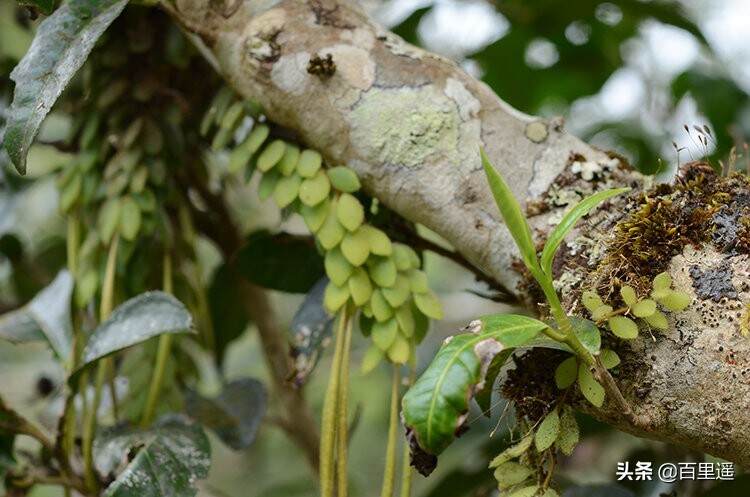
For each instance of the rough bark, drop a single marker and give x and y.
(411, 123)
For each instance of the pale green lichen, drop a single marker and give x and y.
(405, 126)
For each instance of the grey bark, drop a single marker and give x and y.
(411, 124)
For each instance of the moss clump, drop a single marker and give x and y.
(701, 207)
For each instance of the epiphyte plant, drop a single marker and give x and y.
(435, 408)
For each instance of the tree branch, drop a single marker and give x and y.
(411, 124)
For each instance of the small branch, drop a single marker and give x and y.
(615, 395)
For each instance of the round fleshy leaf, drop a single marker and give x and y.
(360, 286)
(344, 179)
(623, 327)
(644, 308)
(566, 373)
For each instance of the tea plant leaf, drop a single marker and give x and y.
(62, 43)
(435, 406)
(569, 220)
(235, 415)
(167, 460)
(511, 212)
(148, 315)
(47, 316)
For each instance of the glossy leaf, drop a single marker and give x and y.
(569, 220)
(63, 42)
(234, 415)
(138, 319)
(164, 461)
(46, 316)
(434, 407)
(512, 214)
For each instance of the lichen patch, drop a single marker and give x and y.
(290, 74)
(405, 126)
(354, 64)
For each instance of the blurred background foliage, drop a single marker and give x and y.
(627, 75)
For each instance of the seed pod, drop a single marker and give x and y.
(271, 155)
(344, 179)
(256, 138)
(383, 272)
(658, 320)
(371, 359)
(429, 304)
(109, 218)
(402, 256)
(232, 117)
(384, 334)
(335, 297)
(405, 319)
(350, 211)
(314, 190)
(138, 181)
(628, 295)
(286, 190)
(381, 309)
(309, 163)
(418, 281)
(71, 193)
(360, 287)
(400, 350)
(643, 308)
(399, 292)
(331, 232)
(379, 242)
(337, 267)
(315, 216)
(288, 162)
(130, 219)
(623, 327)
(216, 110)
(86, 287)
(240, 157)
(268, 185)
(355, 248)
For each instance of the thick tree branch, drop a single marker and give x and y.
(411, 124)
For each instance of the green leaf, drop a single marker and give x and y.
(623, 327)
(569, 433)
(281, 261)
(228, 315)
(163, 461)
(512, 452)
(234, 415)
(46, 316)
(644, 308)
(566, 373)
(148, 315)
(590, 388)
(569, 220)
(62, 43)
(511, 473)
(434, 407)
(511, 212)
(588, 334)
(529, 491)
(675, 301)
(310, 333)
(609, 358)
(547, 432)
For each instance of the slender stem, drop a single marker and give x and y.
(389, 475)
(103, 369)
(68, 424)
(162, 354)
(406, 469)
(342, 415)
(328, 422)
